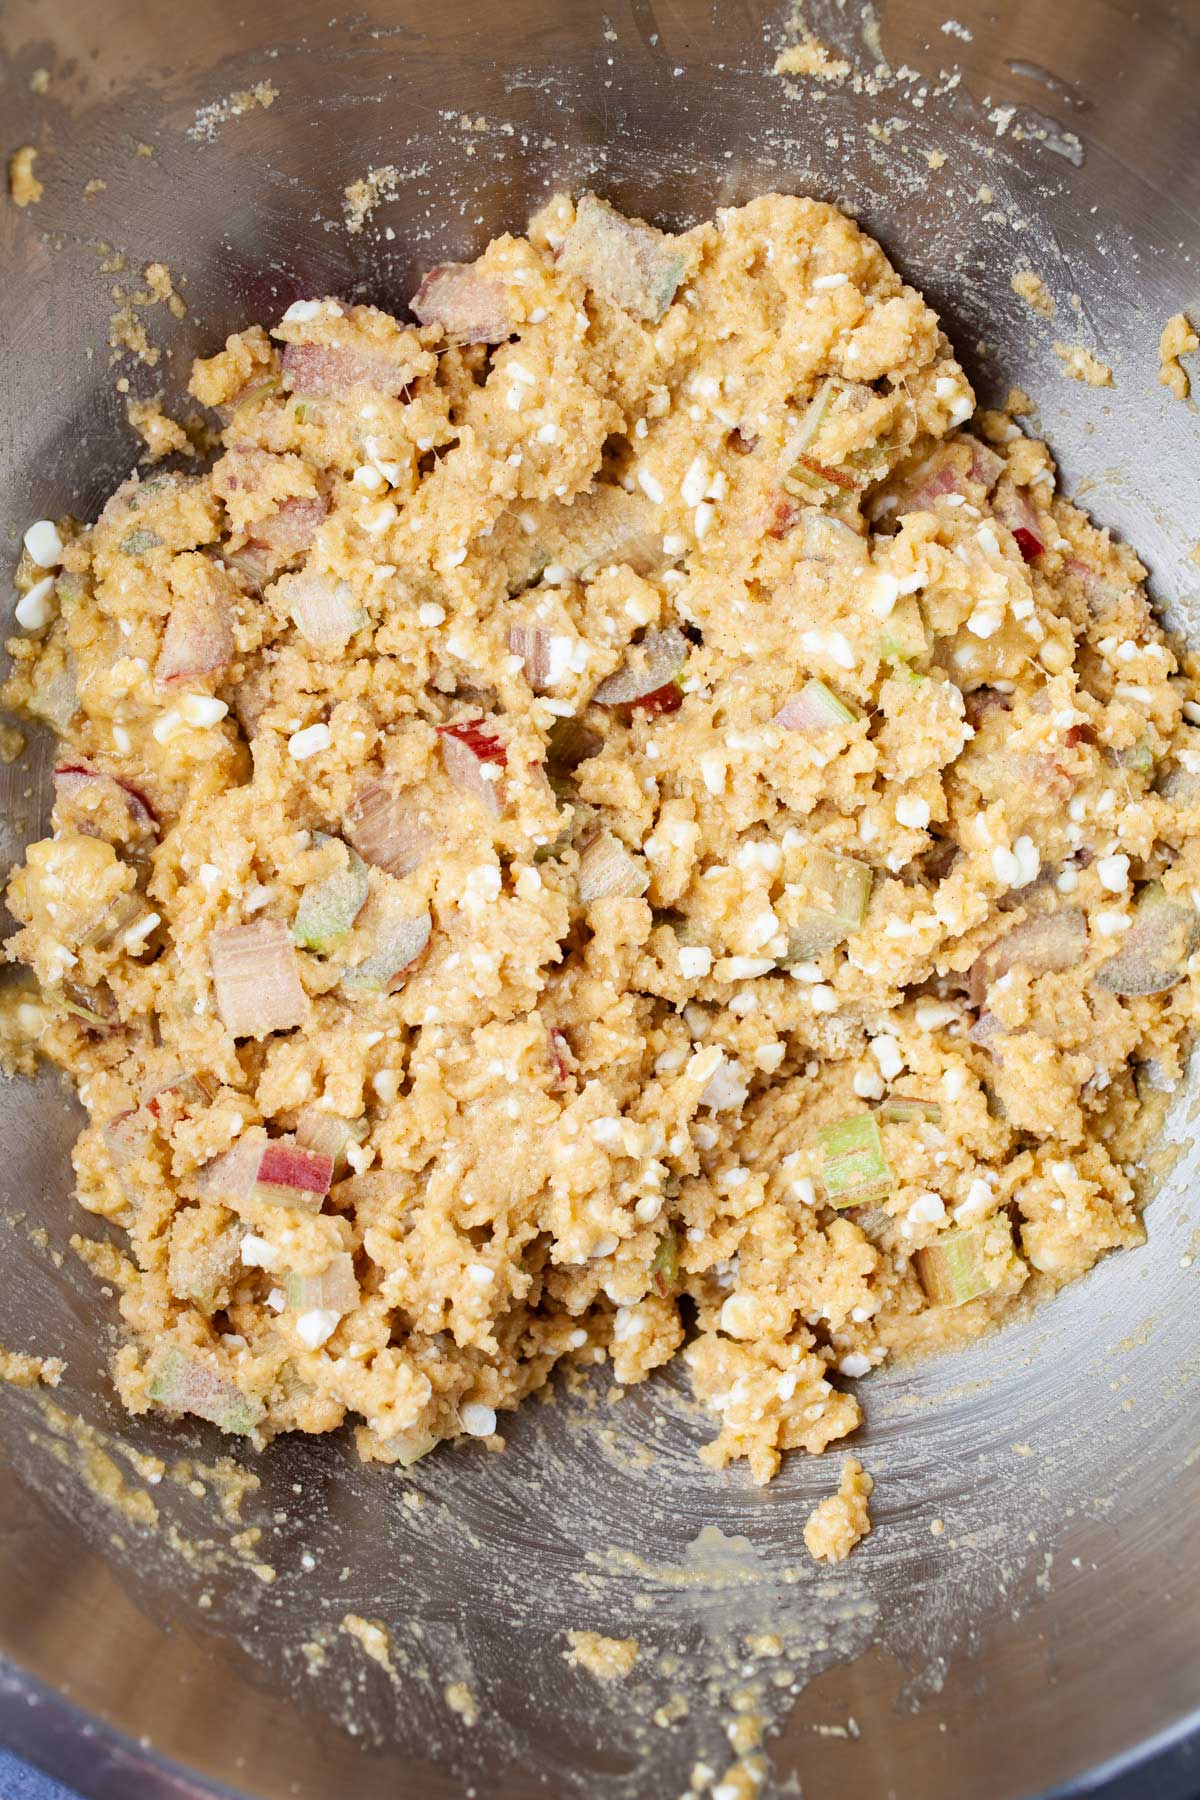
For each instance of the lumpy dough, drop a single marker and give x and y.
(624, 819)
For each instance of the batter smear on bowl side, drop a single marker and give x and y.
(619, 819)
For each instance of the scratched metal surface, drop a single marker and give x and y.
(1055, 1625)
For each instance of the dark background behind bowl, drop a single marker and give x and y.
(1055, 1625)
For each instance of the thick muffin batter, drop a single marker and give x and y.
(608, 822)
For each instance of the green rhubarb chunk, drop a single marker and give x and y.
(664, 1270)
(900, 1109)
(964, 1265)
(186, 1383)
(854, 1168)
(631, 264)
(834, 891)
(904, 638)
(328, 908)
(1156, 947)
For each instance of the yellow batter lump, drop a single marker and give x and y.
(619, 819)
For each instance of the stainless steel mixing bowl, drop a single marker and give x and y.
(1053, 1627)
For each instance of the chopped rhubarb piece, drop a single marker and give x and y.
(664, 1268)
(198, 641)
(173, 1101)
(648, 667)
(323, 610)
(826, 902)
(598, 528)
(283, 535)
(901, 1109)
(256, 979)
(631, 264)
(1027, 544)
(470, 307)
(55, 695)
(1155, 949)
(277, 1171)
(1012, 506)
(399, 939)
(808, 479)
(781, 516)
(608, 870)
(964, 1265)
(663, 700)
(189, 1382)
(334, 1290)
(815, 708)
(1043, 943)
(561, 1056)
(854, 1168)
(473, 756)
(388, 829)
(78, 783)
(904, 637)
(127, 1137)
(330, 371)
(979, 703)
(331, 1135)
(571, 742)
(545, 654)
(328, 908)
(962, 466)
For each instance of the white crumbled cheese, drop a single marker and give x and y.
(302, 312)
(868, 1084)
(744, 968)
(803, 1190)
(277, 1300)
(1066, 881)
(962, 410)
(609, 1133)
(604, 1245)
(954, 1082)
(122, 739)
(44, 545)
(480, 1275)
(695, 481)
(478, 1420)
(386, 1084)
(648, 1208)
(913, 811)
(429, 614)
(1005, 865)
(712, 770)
(1029, 862)
(202, 710)
(884, 594)
(926, 1209)
(454, 559)
(367, 476)
(1113, 873)
(841, 650)
(761, 929)
(673, 544)
(888, 1055)
(739, 1316)
(823, 998)
(822, 283)
(550, 433)
(35, 609)
(167, 726)
(137, 934)
(977, 1202)
(309, 742)
(380, 517)
(944, 388)
(703, 518)
(931, 1015)
(854, 1365)
(1191, 712)
(520, 373)
(695, 960)
(651, 486)
(314, 1328)
(768, 1057)
(1111, 924)
(985, 622)
(257, 1253)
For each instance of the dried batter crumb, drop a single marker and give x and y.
(144, 150)
(373, 1638)
(1081, 365)
(93, 187)
(22, 1370)
(127, 336)
(160, 433)
(936, 159)
(161, 288)
(1029, 286)
(23, 185)
(1178, 339)
(811, 57)
(841, 1520)
(210, 118)
(937, 1527)
(607, 1658)
(461, 1700)
(1018, 403)
(12, 743)
(362, 197)
(39, 81)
